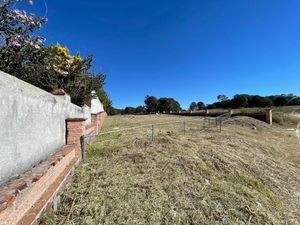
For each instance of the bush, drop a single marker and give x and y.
(140, 110)
(129, 110)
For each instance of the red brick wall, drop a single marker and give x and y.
(26, 207)
(101, 116)
(32, 195)
(75, 130)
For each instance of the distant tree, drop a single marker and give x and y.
(239, 101)
(259, 101)
(223, 104)
(140, 110)
(201, 105)
(113, 111)
(222, 98)
(151, 103)
(129, 110)
(168, 105)
(294, 101)
(193, 106)
(211, 106)
(244, 100)
(281, 100)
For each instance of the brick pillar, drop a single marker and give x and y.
(95, 121)
(75, 130)
(269, 117)
(99, 121)
(102, 117)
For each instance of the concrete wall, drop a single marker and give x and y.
(32, 124)
(87, 114)
(96, 106)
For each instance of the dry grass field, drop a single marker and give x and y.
(287, 116)
(246, 174)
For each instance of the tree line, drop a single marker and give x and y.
(24, 55)
(152, 105)
(167, 105)
(253, 101)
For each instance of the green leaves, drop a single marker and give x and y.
(22, 54)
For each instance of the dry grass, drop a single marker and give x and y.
(287, 116)
(239, 176)
(286, 119)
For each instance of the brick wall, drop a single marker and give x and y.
(75, 130)
(46, 123)
(22, 200)
(22, 194)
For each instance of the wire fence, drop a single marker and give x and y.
(151, 131)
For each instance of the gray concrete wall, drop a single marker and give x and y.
(87, 114)
(32, 124)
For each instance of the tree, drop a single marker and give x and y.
(18, 44)
(294, 101)
(129, 110)
(223, 105)
(17, 26)
(259, 101)
(244, 100)
(53, 67)
(151, 103)
(201, 105)
(104, 98)
(222, 98)
(168, 105)
(113, 111)
(281, 100)
(193, 106)
(239, 101)
(211, 106)
(22, 54)
(140, 110)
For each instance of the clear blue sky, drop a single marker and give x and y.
(189, 50)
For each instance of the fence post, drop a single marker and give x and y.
(220, 125)
(269, 117)
(152, 132)
(83, 146)
(184, 127)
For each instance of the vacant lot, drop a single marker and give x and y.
(247, 174)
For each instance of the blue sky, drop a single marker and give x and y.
(185, 49)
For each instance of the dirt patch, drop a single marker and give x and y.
(248, 122)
